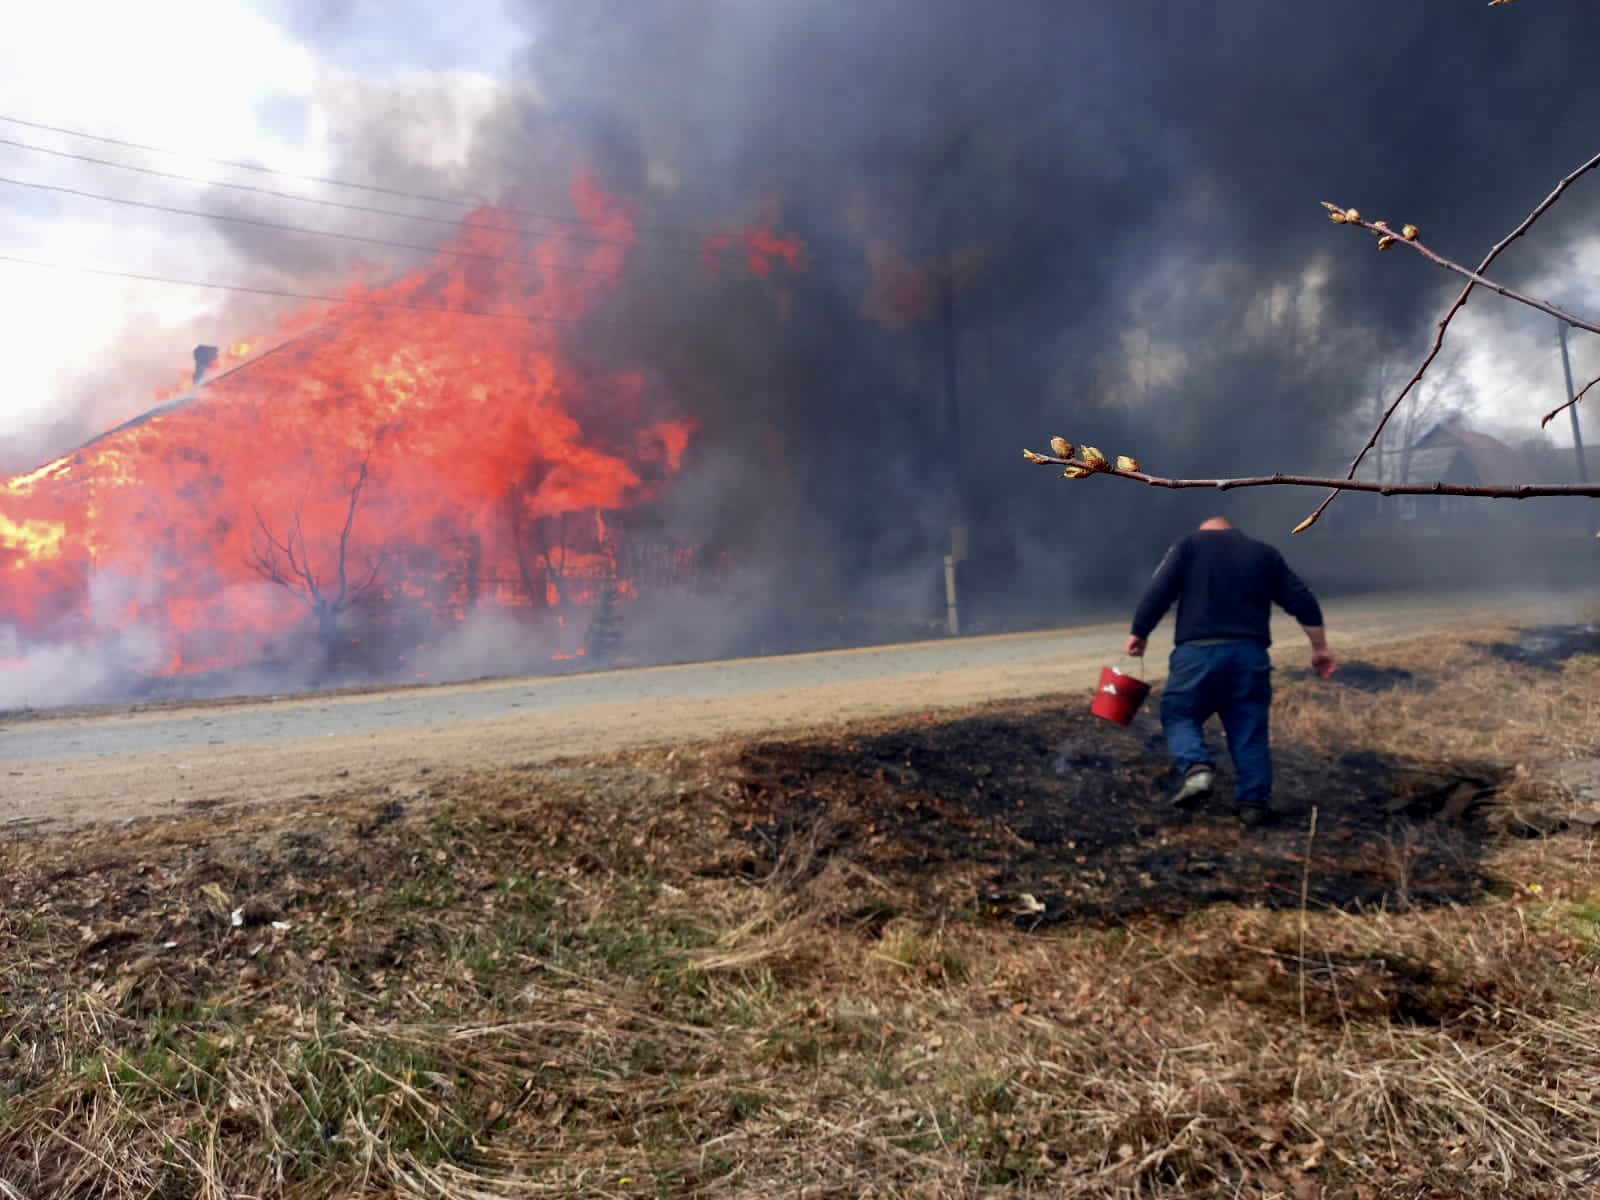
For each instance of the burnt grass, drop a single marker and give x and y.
(1042, 813)
(1546, 647)
(1367, 677)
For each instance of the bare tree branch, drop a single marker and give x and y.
(1392, 237)
(268, 563)
(1088, 461)
(1557, 411)
(286, 560)
(1499, 248)
(1388, 237)
(344, 534)
(303, 568)
(1082, 468)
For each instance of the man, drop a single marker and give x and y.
(1225, 585)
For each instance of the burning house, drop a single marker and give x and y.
(385, 469)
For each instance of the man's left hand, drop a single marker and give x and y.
(1135, 648)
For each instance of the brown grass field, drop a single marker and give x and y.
(942, 955)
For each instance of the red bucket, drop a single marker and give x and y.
(1119, 696)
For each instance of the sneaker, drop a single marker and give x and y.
(1196, 787)
(1254, 816)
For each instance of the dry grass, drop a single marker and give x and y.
(558, 983)
(1475, 706)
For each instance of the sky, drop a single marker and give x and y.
(235, 79)
(256, 80)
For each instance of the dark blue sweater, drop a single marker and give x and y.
(1225, 585)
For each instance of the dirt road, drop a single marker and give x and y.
(70, 770)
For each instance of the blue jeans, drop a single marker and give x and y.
(1233, 680)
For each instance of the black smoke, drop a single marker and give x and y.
(1134, 174)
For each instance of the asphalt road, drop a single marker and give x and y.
(77, 767)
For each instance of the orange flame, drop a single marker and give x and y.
(764, 250)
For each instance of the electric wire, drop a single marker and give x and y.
(425, 218)
(319, 297)
(278, 226)
(687, 231)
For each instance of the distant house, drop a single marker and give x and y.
(1377, 542)
(1448, 453)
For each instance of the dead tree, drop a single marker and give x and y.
(538, 543)
(603, 638)
(542, 554)
(327, 590)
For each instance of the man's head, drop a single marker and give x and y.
(1216, 523)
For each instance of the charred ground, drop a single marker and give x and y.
(1045, 814)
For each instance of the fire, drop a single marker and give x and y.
(380, 466)
(901, 294)
(30, 540)
(764, 250)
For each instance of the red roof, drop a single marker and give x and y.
(1496, 463)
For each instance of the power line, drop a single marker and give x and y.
(447, 222)
(1537, 359)
(281, 227)
(365, 239)
(238, 165)
(330, 181)
(288, 294)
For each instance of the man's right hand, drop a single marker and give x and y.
(1135, 647)
(1323, 662)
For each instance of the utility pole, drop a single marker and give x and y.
(951, 157)
(1378, 454)
(952, 432)
(1572, 409)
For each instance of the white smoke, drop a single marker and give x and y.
(494, 642)
(37, 674)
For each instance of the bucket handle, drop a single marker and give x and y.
(1122, 658)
